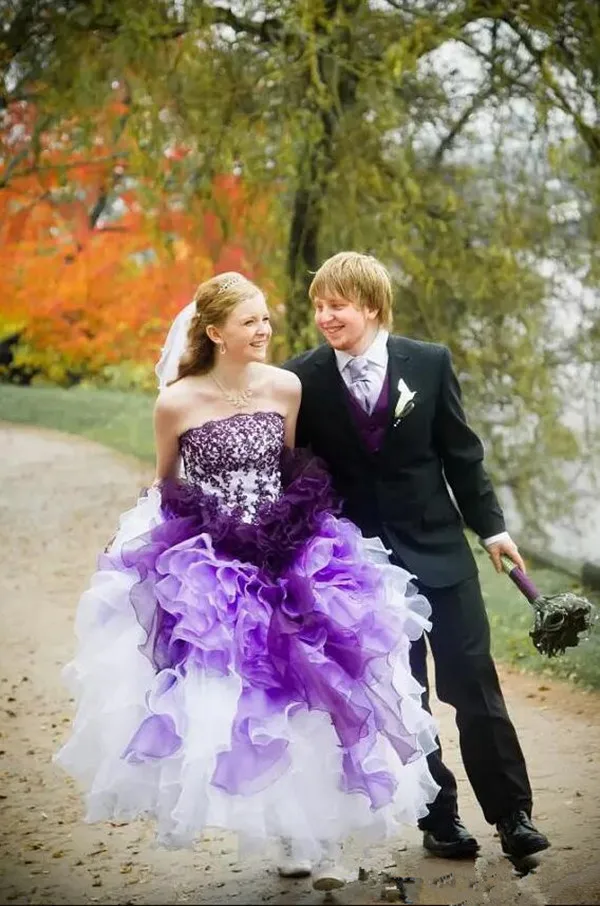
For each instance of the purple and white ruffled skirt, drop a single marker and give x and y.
(249, 677)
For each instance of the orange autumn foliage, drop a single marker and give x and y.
(87, 293)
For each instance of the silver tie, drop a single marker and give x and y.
(362, 384)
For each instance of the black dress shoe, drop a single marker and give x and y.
(518, 836)
(450, 839)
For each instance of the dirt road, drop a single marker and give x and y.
(59, 503)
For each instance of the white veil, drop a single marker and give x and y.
(166, 367)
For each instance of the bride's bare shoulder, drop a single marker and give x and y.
(180, 394)
(281, 381)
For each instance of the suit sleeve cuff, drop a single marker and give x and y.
(501, 536)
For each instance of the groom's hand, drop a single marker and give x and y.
(507, 547)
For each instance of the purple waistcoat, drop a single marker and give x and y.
(371, 427)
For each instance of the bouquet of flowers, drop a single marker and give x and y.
(559, 620)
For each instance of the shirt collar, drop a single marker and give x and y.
(376, 353)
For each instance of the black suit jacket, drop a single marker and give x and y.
(401, 492)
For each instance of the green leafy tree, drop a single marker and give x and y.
(446, 137)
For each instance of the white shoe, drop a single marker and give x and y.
(329, 875)
(289, 865)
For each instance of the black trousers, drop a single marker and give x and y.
(466, 678)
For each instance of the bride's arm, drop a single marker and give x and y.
(167, 419)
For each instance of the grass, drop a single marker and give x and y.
(123, 421)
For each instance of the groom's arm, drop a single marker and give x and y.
(461, 452)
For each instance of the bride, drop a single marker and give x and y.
(242, 658)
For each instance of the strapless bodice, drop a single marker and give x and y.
(237, 459)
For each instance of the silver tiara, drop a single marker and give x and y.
(230, 282)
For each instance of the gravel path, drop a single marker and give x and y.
(61, 497)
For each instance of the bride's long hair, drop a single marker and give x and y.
(214, 299)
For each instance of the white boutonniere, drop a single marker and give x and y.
(406, 402)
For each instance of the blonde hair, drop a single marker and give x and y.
(215, 299)
(361, 279)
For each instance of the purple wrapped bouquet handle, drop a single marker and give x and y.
(525, 585)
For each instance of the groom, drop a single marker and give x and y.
(384, 412)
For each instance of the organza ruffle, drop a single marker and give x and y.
(295, 623)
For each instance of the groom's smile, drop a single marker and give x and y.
(345, 325)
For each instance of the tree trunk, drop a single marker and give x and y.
(303, 248)
(340, 86)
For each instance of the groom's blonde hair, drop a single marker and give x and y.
(361, 279)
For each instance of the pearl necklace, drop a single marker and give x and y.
(239, 399)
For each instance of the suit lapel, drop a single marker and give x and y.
(400, 366)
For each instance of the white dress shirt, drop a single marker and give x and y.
(377, 357)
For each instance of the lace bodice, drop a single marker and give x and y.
(236, 459)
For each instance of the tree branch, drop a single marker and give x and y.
(39, 128)
(511, 80)
(16, 36)
(476, 104)
(448, 140)
(268, 30)
(451, 25)
(590, 136)
(45, 168)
